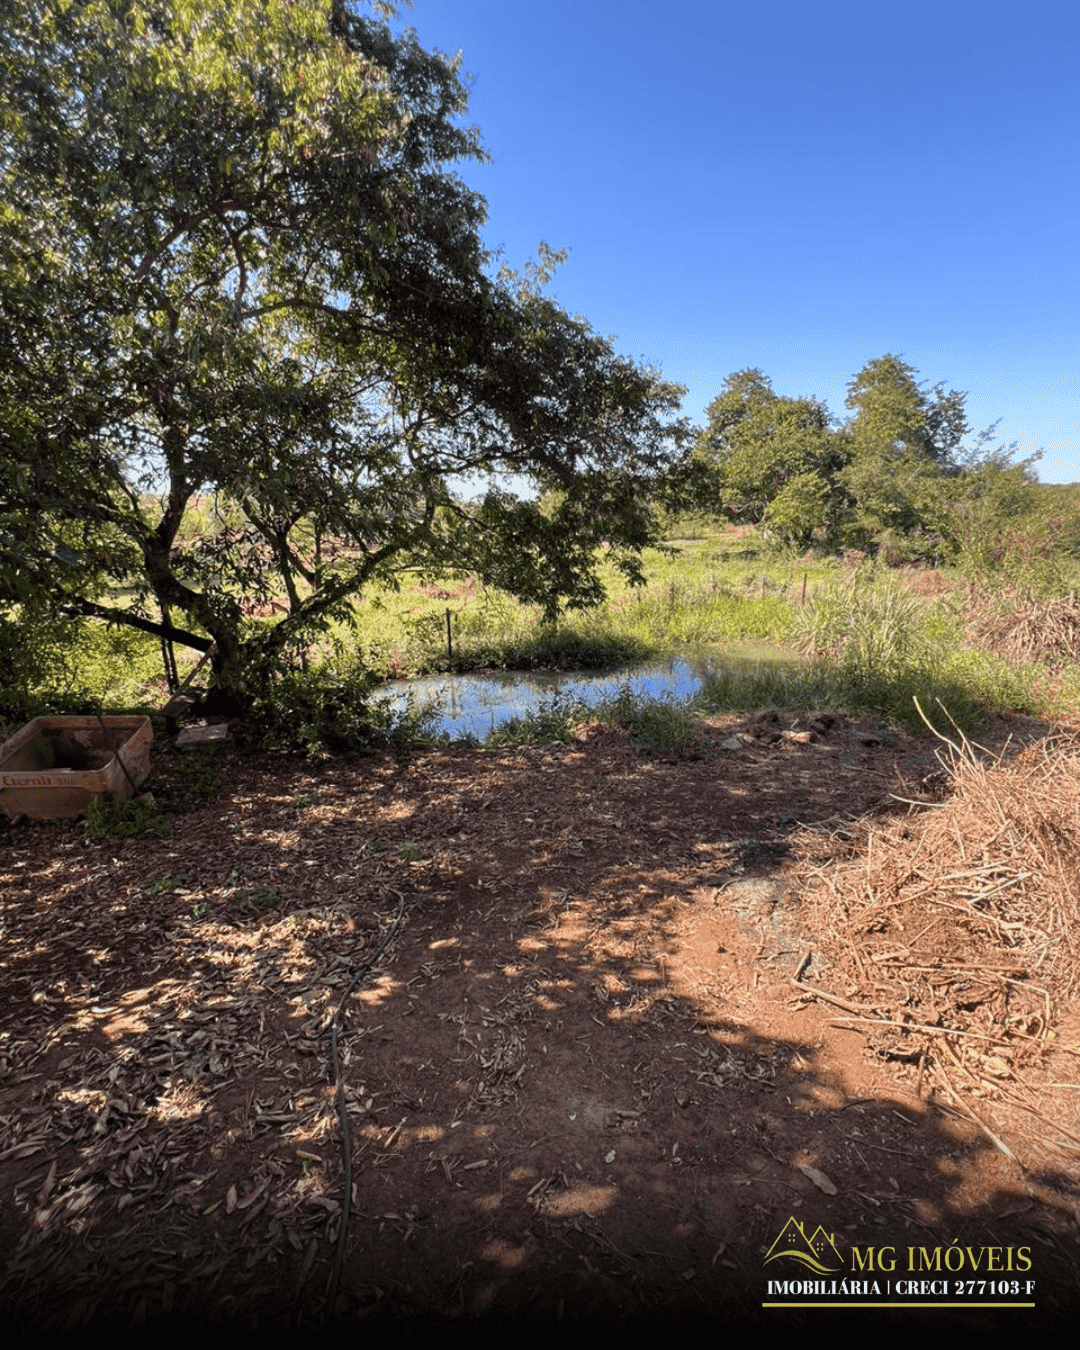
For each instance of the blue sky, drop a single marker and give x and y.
(797, 186)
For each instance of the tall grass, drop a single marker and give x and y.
(688, 601)
(862, 642)
(870, 625)
(873, 645)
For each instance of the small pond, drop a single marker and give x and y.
(474, 705)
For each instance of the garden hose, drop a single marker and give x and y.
(339, 1091)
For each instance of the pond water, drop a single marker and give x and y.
(474, 705)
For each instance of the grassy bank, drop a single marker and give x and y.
(827, 635)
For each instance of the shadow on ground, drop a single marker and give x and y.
(583, 1083)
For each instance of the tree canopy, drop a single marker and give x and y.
(895, 474)
(772, 452)
(237, 266)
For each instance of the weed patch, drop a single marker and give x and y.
(163, 885)
(656, 726)
(109, 817)
(193, 777)
(553, 721)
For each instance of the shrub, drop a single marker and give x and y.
(656, 726)
(109, 817)
(326, 709)
(552, 721)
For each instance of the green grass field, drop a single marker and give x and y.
(788, 633)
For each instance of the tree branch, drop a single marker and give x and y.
(166, 630)
(188, 223)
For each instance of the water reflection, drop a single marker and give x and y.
(474, 705)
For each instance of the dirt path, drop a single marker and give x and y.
(582, 1081)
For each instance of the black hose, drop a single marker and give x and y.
(346, 1144)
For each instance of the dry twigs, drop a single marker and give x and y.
(959, 924)
(1034, 630)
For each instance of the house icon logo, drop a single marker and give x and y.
(817, 1252)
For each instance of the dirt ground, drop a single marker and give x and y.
(589, 1077)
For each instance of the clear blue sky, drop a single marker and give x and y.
(797, 186)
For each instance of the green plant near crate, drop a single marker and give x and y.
(110, 817)
(187, 782)
(198, 774)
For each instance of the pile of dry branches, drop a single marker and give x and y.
(958, 928)
(1032, 630)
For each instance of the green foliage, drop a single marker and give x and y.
(1007, 532)
(194, 777)
(870, 625)
(327, 708)
(752, 685)
(39, 667)
(673, 616)
(509, 637)
(895, 479)
(761, 445)
(698, 593)
(737, 595)
(52, 664)
(163, 885)
(879, 647)
(110, 817)
(265, 897)
(552, 722)
(686, 525)
(802, 508)
(967, 690)
(657, 726)
(896, 418)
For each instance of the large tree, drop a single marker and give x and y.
(775, 456)
(896, 475)
(902, 441)
(235, 265)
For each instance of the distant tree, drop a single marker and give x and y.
(900, 443)
(894, 414)
(896, 476)
(776, 457)
(807, 506)
(235, 265)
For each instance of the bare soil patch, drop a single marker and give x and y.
(600, 1063)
